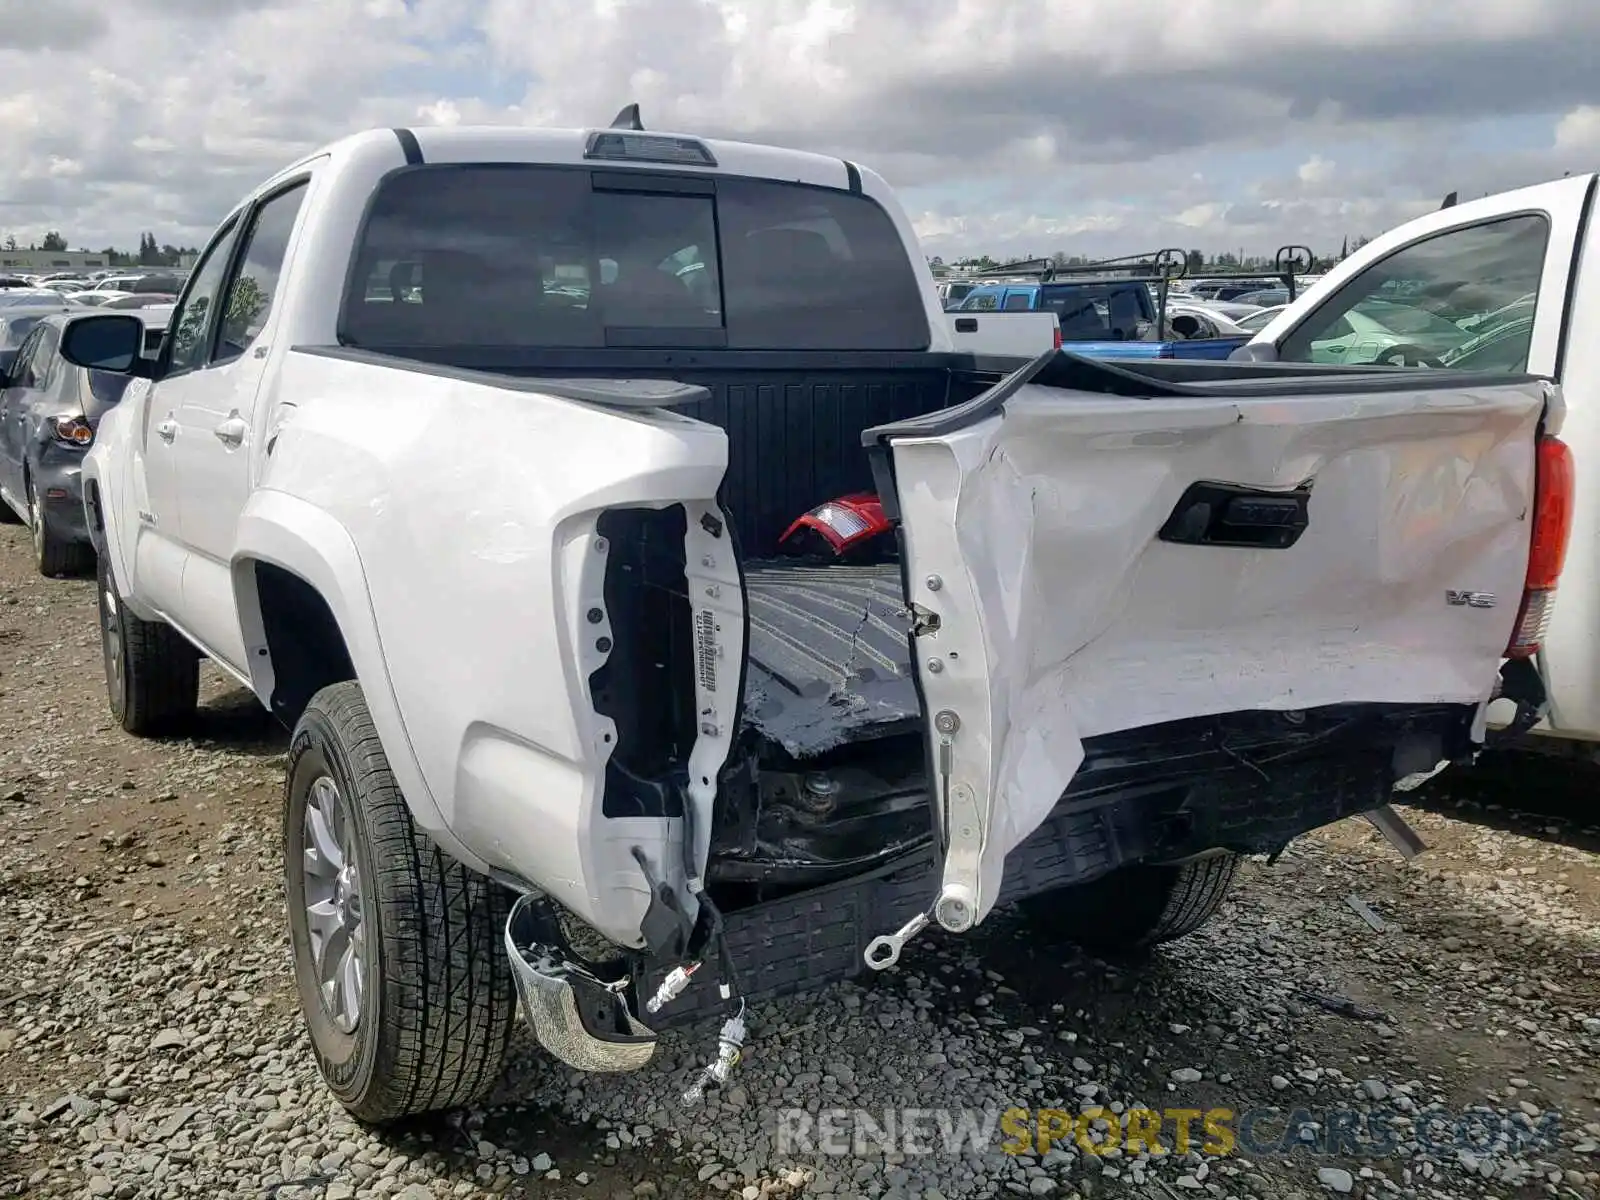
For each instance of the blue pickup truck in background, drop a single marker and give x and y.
(1099, 318)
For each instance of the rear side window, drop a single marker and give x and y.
(527, 256)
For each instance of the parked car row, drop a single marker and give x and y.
(103, 289)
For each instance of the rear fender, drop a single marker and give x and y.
(300, 538)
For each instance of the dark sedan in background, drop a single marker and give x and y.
(49, 410)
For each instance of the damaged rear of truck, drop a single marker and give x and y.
(670, 617)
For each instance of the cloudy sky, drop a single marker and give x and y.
(1009, 126)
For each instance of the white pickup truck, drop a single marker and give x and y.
(650, 583)
(1505, 284)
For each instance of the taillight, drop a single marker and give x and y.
(1058, 337)
(72, 431)
(1547, 552)
(838, 526)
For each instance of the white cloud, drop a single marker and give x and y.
(1201, 216)
(1006, 123)
(1579, 130)
(1315, 169)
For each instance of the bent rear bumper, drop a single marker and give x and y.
(1248, 782)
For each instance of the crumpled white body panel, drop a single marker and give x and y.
(1032, 536)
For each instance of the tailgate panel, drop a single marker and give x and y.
(1031, 536)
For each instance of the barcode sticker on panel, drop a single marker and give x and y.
(705, 648)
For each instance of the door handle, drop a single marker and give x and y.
(231, 432)
(1230, 514)
(167, 430)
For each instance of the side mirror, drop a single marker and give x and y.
(1255, 352)
(106, 342)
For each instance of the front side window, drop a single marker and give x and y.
(1423, 303)
(191, 321)
(256, 282)
(529, 256)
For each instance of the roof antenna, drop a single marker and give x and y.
(628, 118)
(1449, 201)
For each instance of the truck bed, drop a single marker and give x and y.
(829, 659)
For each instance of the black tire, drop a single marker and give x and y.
(152, 670)
(434, 1014)
(54, 555)
(1132, 909)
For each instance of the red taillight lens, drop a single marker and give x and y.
(1058, 337)
(72, 431)
(841, 524)
(1547, 551)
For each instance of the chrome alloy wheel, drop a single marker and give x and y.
(36, 518)
(333, 900)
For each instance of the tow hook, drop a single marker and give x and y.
(883, 952)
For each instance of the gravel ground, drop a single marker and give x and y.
(150, 1045)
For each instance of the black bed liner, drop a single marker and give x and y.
(829, 657)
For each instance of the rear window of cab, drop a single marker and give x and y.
(500, 256)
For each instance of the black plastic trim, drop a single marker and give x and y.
(1572, 276)
(409, 146)
(948, 420)
(1153, 379)
(852, 177)
(532, 360)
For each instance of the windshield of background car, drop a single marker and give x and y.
(503, 257)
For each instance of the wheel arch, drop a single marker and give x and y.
(307, 621)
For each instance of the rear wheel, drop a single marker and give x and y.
(54, 555)
(1134, 908)
(152, 670)
(398, 952)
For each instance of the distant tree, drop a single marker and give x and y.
(149, 254)
(1197, 260)
(53, 241)
(11, 241)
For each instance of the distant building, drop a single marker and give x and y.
(52, 260)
